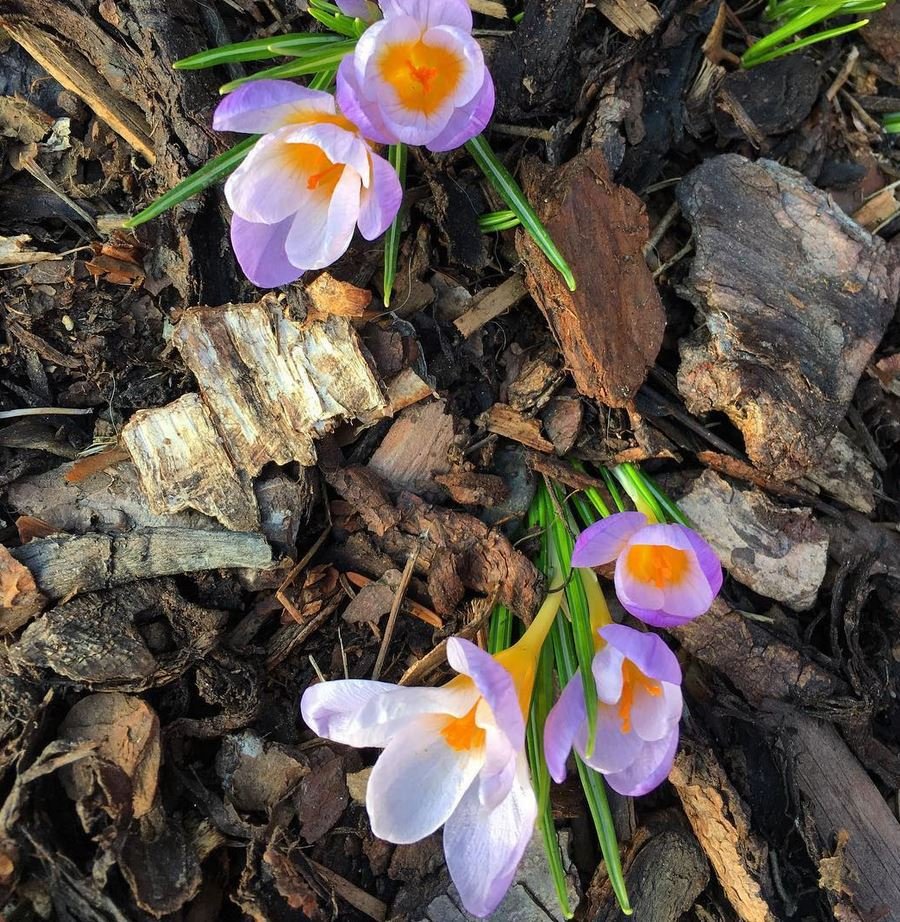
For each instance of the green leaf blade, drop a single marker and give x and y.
(211, 172)
(508, 189)
(259, 49)
(397, 157)
(319, 59)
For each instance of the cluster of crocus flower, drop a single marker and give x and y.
(416, 76)
(455, 755)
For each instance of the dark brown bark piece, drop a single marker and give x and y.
(485, 559)
(94, 640)
(842, 802)
(777, 95)
(610, 329)
(665, 872)
(796, 298)
(474, 489)
(562, 422)
(759, 664)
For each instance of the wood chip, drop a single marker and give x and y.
(70, 68)
(269, 388)
(840, 802)
(610, 329)
(70, 564)
(503, 420)
(330, 297)
(20, 598)
(562, 422)
(470, 488)
(183, 464)
(417, 446)
(877, 209)
(489, 304)
(795, 296)
(636, 18)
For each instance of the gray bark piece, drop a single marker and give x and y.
(796, 298)
(779, 553)
(73, 564)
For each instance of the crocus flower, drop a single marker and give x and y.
(360, 9)
(418, 76)
(453, 756)
(639, 705)
(306, 184)
(665, 574)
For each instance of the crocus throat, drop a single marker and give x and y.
(463, 733)
(657, 564)
(423, 76)
(633, 678)
(330, 174)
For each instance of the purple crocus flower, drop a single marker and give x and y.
(418, 76)
(306, 185)
(665, 574)
(638, 708)
(453, 756)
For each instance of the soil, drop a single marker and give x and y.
(234, 490)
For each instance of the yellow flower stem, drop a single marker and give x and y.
(599, 610)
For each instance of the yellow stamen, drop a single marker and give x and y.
(658, 564)
(632, 677)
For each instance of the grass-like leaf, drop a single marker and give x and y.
(562, 544)
(508, 189)
(318, 59)
(891, 123)
(211, 172)
(493, 221)
(333, 18)
(397, 157)
(258, 49)
(799, 15)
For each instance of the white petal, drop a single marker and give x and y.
(653, 717)
(483, 846)
(418, 781)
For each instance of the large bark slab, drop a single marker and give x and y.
(795, 297)
(851, 824)
(609, 329)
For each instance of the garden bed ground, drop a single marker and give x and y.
(735, 239)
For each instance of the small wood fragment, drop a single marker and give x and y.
(636, 18)
(490, 304)
(503, 420)
(20, 598)
(474, 489)
(562, 423)
(418, 446)
(330, 297)
(610, 329)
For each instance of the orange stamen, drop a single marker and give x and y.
(422, 75)
(463, 733)
(316, 178)
(631, 677)
(657, 563)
